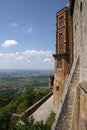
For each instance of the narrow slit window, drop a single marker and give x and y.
(61, 43)
(81, 6)
(59, 63)
(57, 88)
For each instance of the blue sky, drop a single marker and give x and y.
(28, 33)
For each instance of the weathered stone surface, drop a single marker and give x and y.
(63, 56)
(64, 112)
(73, 114)
(83, 85)
(80, 35)
(73, 111)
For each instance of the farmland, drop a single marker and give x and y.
(18, 80)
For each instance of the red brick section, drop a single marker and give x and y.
(64, 54)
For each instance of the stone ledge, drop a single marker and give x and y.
(61, 55)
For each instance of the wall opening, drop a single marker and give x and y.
(57, 88)
(61, 42)
(75, 27)
(59, 63)
(81, 6)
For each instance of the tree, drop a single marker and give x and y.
(30, 96)
(5, 121)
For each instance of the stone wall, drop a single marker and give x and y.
(79, 116)
(72, 111)
(64, 112)
(80, 35)
(64, 54)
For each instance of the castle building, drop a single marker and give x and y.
(70, 77)
(64, 53)
(79, 15)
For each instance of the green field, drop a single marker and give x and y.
(13, 85)
(17, 81)
(18, 91)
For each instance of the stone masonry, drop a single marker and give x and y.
(80, 35)
(72, 113)
(63, 56)
(65, 118)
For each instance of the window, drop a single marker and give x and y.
(57, 88)
(61, 21)
(75, 27)
(81, 6)
(59, 63)
(61, 42)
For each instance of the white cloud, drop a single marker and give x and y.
(23, 59)
(30, 30)
(28, 54)
(13, 24)
(47, 60)
(9, 43)
(27, 59)
(36, 53)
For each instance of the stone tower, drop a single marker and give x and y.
(64, 53)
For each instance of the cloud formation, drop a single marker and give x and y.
(28, 55)
(13, 24)
(37, 53)
(9, 43)
(30, 30)
(47, 60)
(27, 59)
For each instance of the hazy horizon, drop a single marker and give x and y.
(28, 33)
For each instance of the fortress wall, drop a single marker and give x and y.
(83, 107)
(80, 35)
(79, 116)
(73, 114)
(76, 29)
(84, 41)
(76, 110)
(64, 112)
